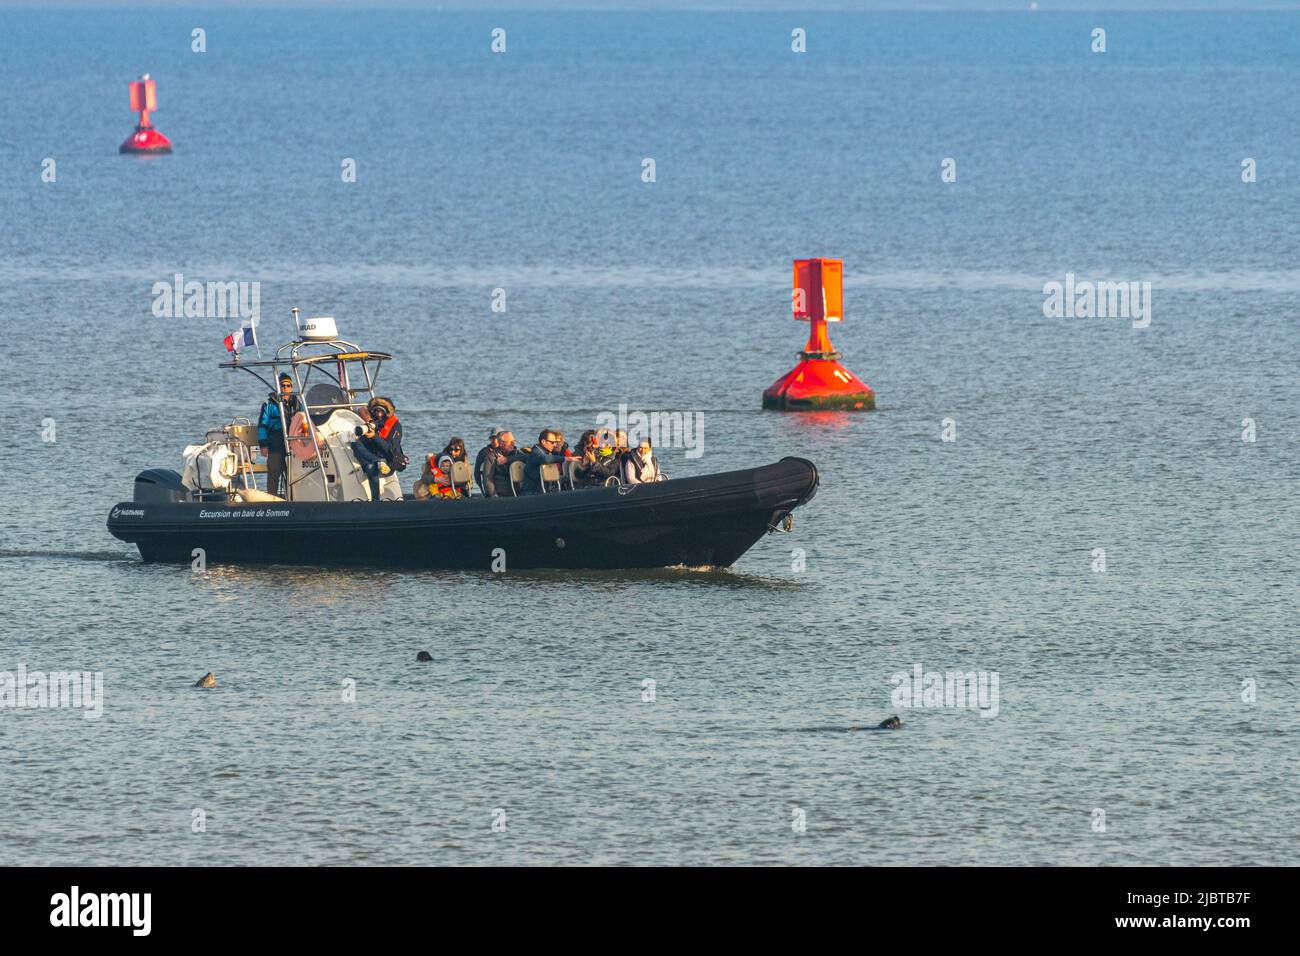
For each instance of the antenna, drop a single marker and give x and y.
(296, 328)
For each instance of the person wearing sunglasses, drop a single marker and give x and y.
(454, 452)
(549, 450)
(279, 407)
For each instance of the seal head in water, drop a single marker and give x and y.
(207, 680)
(423, 656)
(889, 723)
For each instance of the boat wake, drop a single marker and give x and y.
(69, 555)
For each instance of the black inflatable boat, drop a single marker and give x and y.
(708, 521)
(323, 515)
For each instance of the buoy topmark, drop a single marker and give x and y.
(819, 381)
(145, 139)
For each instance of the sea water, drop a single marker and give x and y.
(1101, 516)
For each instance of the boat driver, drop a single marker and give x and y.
(270, 431)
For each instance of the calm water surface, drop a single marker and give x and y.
(1119, 691)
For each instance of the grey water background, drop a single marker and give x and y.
(1120, 691)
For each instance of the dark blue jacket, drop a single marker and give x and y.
(533, 469)
(390, 448)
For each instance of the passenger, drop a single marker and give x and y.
(607, 464)
(481, 476)
(370, 455)
(596, 463)
(588, 446)
(270, 432)
(507, 454)
(640, 466)
(454, 452)
(611, 456)
(549, 450)
(388, 432)
(434, 482)
(494, 474)
(378, 448)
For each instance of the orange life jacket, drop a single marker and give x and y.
(437, 481)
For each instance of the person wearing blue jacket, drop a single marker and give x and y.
(271, 429)
(549, 450)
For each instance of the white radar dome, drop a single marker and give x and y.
(320, 329)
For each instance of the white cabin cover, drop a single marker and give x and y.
(208, 467)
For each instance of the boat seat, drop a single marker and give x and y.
(462, 476)
(247, 434)
(324, 393)
(550, 475)
(516, 476)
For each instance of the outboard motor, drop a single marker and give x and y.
(159, 486)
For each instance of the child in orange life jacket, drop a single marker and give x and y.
(434, 482)
(436, 479)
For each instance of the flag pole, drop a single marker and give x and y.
(231, 335)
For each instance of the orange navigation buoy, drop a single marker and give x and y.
(145, 139)
(819, 381)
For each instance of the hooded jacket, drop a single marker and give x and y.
(387, 441)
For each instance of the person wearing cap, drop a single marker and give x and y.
(481, 475)
(494, 475)
(276, 410)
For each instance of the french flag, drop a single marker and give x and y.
(237, 340)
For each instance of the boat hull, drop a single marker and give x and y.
(709, 521)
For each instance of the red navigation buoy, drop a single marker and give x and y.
(819, 381)
(145, 139)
